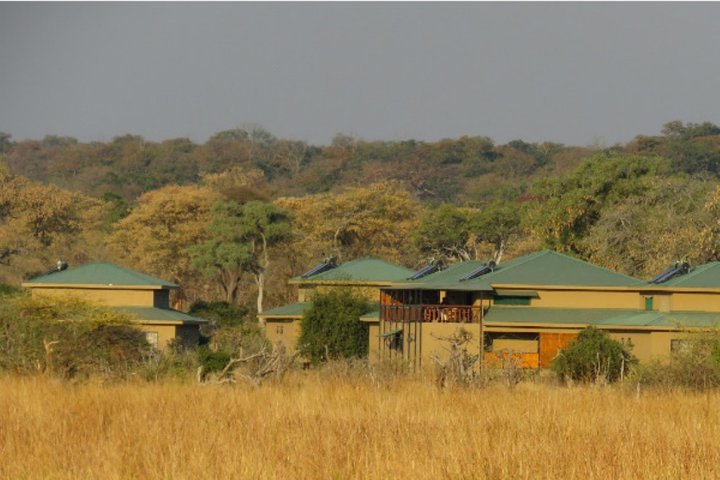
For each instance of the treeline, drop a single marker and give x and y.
(454, 170)
(233, 218)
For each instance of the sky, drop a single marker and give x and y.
(575, 73)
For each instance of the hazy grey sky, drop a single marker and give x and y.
(565, 72)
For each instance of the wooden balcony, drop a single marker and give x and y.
(430, 313)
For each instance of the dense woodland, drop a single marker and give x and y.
(233, 218)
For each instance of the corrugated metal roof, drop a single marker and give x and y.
(540, 268)
(361, 270)
(106, 274)
(151, 314)
(373, 315)
(290, 310)
(600, 317)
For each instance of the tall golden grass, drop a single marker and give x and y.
(310, 426)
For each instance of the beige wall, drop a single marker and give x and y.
(649, 346)
(585, 299)
(113, 298)
(285, 331)
(427, 340)
(696, 302)
(662, 301)
(374, 341)
(165, 333)
(515, 345)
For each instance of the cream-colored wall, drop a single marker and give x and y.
(696, 302)
(166, 333)
(285, 331)
(113, 298)
(432, 345)
(374, 342)
(515, 345)
(587, 299)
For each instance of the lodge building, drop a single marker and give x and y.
(526, 308)
(532, 306)
(144, 298)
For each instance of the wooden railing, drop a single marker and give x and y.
(430, 313)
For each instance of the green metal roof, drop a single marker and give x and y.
(106, 274)
(703, 276)
(151, 314)
(373, 315)
(361, 270)
(540, 268)
(601, 317)
(290, 310)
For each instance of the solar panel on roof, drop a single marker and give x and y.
(322, 267)
(425, 271)
(481, 270)
(675, 270)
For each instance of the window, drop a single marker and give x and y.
(279, 330)
(679, 346)
(152, 338)
(648, 303)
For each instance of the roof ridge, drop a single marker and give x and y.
(92, 268)
(520, 261)
(584, 262)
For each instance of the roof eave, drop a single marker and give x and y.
(99, 286)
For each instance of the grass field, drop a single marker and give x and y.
(312, 426)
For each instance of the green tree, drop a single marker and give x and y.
(565, 208)
(240, 238)
(444, 233)
(332, 327)
(496, 224)
(157, 233)
(263, 226)
(593, 356)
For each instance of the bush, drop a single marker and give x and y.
(8, 290)
(212, 361)
(695, 365)
(220, 314)
(592, 357)
(331, 327)
(67, 337)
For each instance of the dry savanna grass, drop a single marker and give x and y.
(312, 426)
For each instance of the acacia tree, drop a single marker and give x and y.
(378, 220)
(496, 224)
(157, 233)
(224, 256)
(445, 234)
(41, 223)
(565, 208)
(240, 239)
(456, 234)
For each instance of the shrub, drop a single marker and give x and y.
(67, 337)
(695, 365)
(592, 357)
(8, 290)
(228, 328)
(212, 361)
(220, 314)
(331, 327)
